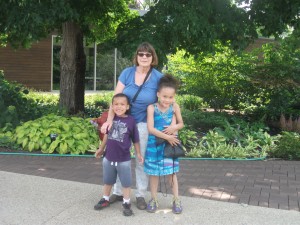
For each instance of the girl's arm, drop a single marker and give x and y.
(177, 121)
(107, 125)
(172, 139)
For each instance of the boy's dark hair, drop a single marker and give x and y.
(168, 81)
(121, 95)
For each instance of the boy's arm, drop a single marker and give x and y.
(138, 152)
(101, 148)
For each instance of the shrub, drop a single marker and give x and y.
(14, 106)
(203, 121)
(288, 146)
(190, 102)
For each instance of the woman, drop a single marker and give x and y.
(129, 82)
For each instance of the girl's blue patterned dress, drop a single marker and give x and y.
(155, 164)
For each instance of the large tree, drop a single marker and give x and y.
(25, 21)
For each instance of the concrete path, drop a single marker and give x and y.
(27, 199)
(63, 190)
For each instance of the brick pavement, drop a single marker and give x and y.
(271, 183)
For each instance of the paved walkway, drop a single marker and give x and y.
(272, 184)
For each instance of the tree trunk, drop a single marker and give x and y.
(72, 69)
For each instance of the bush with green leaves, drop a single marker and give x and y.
(94, 105)
(203, 121)
(59, 134)
(288, 146)
(190, 102)
(234, 142)
(216, 77)
(14, 105)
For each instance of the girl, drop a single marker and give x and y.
(159, 120)
(117, 161)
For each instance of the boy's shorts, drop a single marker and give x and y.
(113, 169)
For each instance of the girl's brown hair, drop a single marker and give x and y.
(168, 81)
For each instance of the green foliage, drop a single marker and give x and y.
(57, 134)
(274, 17)
(188, 138)
(96, 104)
(194, 26)
(277, 77)
(6, 140)
(190, 102)
(14, 105)
(234, 142)
(203, 121)
(288, 146)
(217, 77)
(96, 19)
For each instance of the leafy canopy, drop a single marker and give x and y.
(192, 25)
(27, 21)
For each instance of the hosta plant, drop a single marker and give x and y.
(59, 134)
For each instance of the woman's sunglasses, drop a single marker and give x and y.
(140, 54)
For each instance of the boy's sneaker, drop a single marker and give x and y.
(152, 206)
(127, 209)
(113, 198)
(177, 208)
(101, 204)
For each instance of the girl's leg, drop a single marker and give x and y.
(153, 204)
(174, 184)
(153, 186)
(176, 207)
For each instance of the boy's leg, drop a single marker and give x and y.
(124, 173)
(107, 189)
(109, 178)
(142, 178)
(117, 192)
(127, 211)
